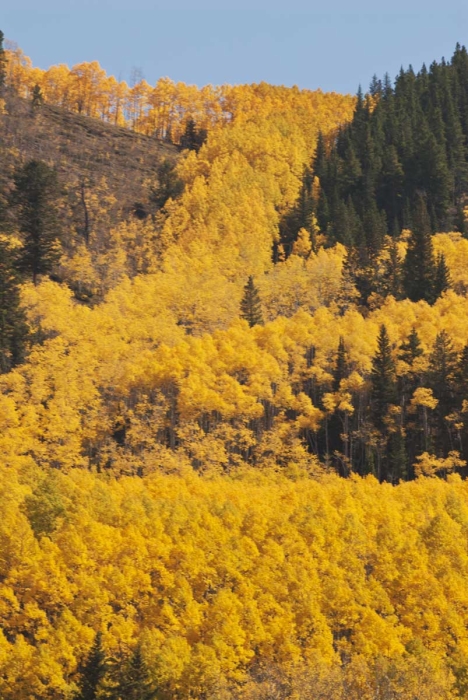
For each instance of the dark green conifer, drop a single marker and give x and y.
(440, 377)
(135, 682)
(442, 366)
(193, 138)
(92, 671)
(420, 269)
(251, 306)
(461, 374)
(3, 63)
(13, 328)
(384, 390)
(442, 276)
(392, 282)
(36, 201)
(411, 349)
(169, 185)
(320, 164)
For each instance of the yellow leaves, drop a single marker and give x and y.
(207, 573)
(424, 397)
(304, 281)
(310, 416)
(340, 401)
(430, 465)
(302, 246)
(354, 382)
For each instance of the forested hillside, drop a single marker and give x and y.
(233, 325)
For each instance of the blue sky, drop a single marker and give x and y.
(334, 44)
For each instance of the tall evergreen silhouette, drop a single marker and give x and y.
(251, 307)
(3, 63)
(36, 203)
(384, 389)
(405, 138)
(420, 268)
(92, 671)
(13, 328)
(135, 681)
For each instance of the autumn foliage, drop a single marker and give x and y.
(189, 386)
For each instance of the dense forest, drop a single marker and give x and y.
(233, 387)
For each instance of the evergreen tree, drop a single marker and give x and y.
(384, 390)
(3, 64)
(401, 141)
(440, 377)
(442, 276)
(35, 197)
(461, 392)
(135, 681)
(251, 307)
(92, 672)
(320, 164)
(392, 279)
(442, 368)
(420, 269)
(169, 184)
(193, 138)
(461, 374)
(411, 349)
(13, 328)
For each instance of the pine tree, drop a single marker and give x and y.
(420, 269)
(13, 328)
(193, 138)
(461, 374)
(169, 184)
(3, 63)
(251, 307)
(93, 671)
(35, 198)
(440, 377)
(442, 276)
(392, 279)
(442, 367)
(320, 166)
(384, 390)
(461, 392)
(411, 349)
(135, 681)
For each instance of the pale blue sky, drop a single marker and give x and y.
(334, 44)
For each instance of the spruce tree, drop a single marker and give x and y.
(193, 138)
(36, 201)
(440, 377)
(134, 680)
(384, 390)
(3, 64)
(13, 328)
(442, 369)
(92, 672)
(251, 307)
(169, 185)
(392, 278)
(420, 270)
(411, 349)
(442, 277)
